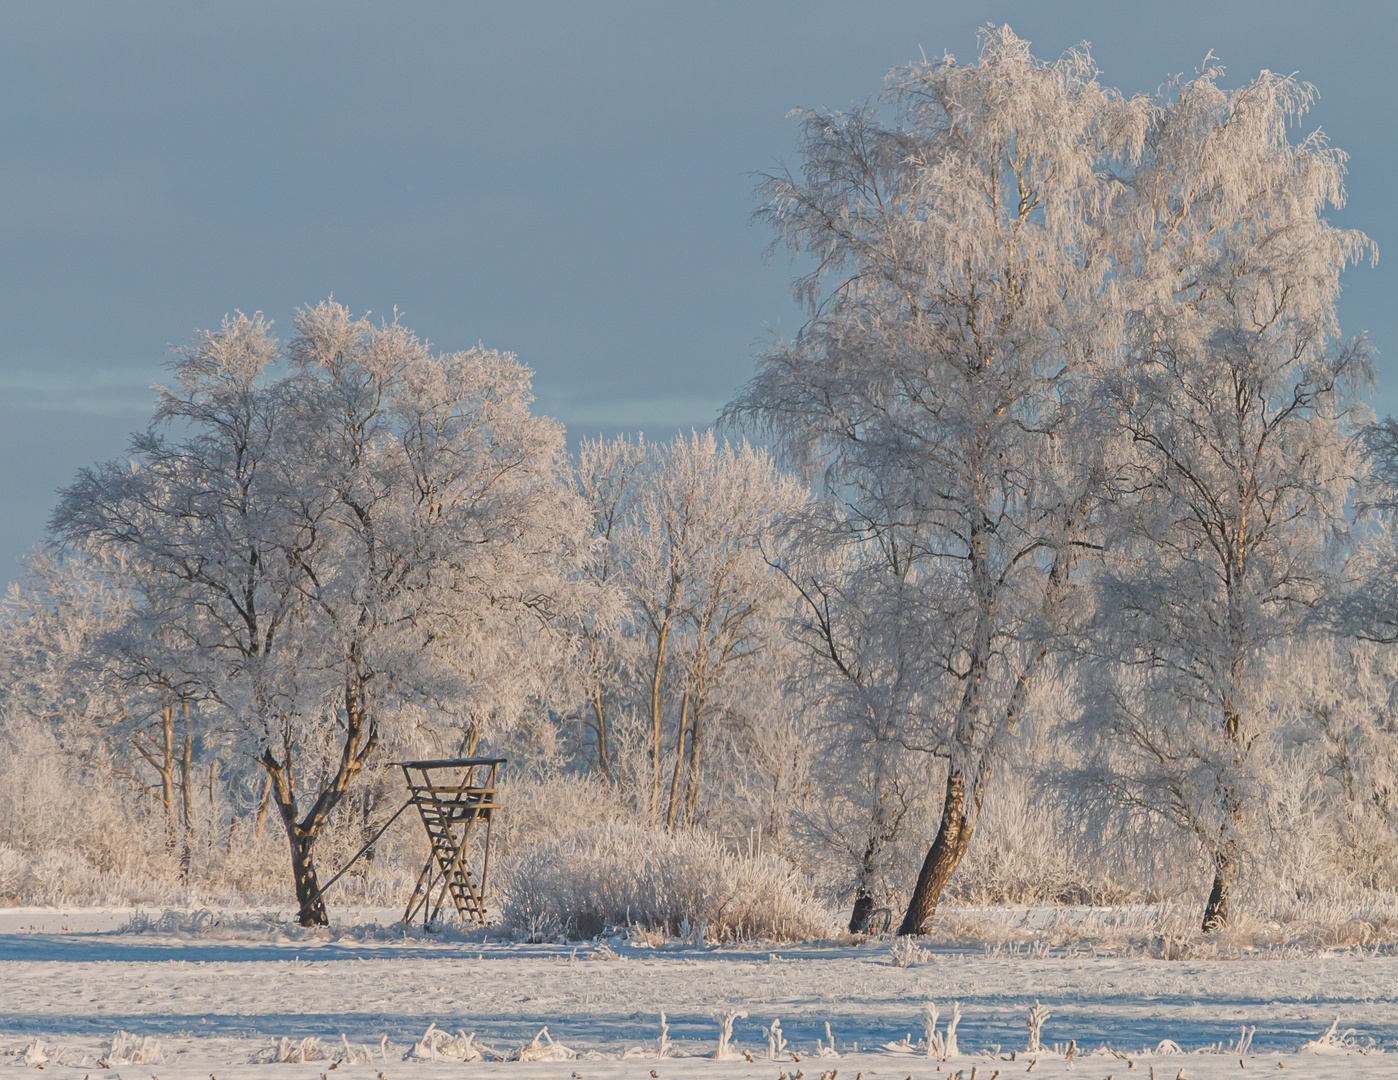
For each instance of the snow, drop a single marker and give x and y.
(218, 999)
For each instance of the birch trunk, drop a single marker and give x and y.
(691, 804)
(167, 775)
(657, 723)
(943, 857)
(679, 764)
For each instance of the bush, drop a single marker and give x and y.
(684, 884)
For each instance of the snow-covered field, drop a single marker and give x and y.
(221, 999)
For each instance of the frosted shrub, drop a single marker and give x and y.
(542, 1048)
(296, 1051)
(941, 1046)
(1037, 1015)
(620, 875)
(776, 1042)
(1026, 850)
(906, 952)
(57, 874)
(1016, 855)
(725, 1050)
(1330, 1041)
(129, 1049)
(439, 1045)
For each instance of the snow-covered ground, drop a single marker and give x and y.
(220, 998)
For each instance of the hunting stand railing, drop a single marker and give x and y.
(456, 798)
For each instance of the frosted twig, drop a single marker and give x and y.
(826, 1049)
(776, 1044)
(1037, 1015)
(725, 1035)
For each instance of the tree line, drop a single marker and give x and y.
(1070, 442)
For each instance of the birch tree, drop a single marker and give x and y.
(353, 544)
(866, 655)
(1240, 401)
(961, 293)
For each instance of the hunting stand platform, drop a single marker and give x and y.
(457, 801)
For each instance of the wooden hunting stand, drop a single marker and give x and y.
(454, 796)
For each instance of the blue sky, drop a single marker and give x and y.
(570, 181)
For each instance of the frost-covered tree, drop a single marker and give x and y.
(1369, 609)
(963, 289)
(861, 674)
(678, 529)
(607, 471)
(1238, 398)
(1342, 713)
(1349, 691)
(51, 680)
(51, 615)
(351, 545)
(708, 507)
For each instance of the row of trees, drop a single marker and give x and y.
(1058, 336)
(1078, 446)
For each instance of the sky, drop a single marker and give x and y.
(568, 181)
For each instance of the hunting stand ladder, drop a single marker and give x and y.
(456, 798)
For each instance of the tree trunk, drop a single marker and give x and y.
(679, 765)
(308, 899)
(187, 851)
(167, 775)
(1216, 909)
(301, 835)
(361, 739)
(366, 829)
(657, 727)
(864, 880)
(691, 802)
(863, 890)
(952, 840)
(472, 738)
(859, 917)
(261, 821)
(954, 832)
(213, 810)
(604, 764)
(1225, 853)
